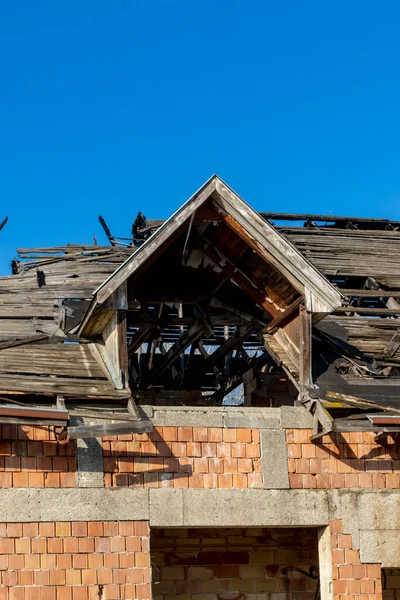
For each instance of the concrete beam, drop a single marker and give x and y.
(74, 504)
(286, 417)
(238, 508)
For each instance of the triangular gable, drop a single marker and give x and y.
(320, 296)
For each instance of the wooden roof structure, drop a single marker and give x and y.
(182, 310)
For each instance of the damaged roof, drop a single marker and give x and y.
(215, 275)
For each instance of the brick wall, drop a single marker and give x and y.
(342, 460)
(391, 578)
(31, 457)
(74, 561)
(351, 579)
(179, 457)
(232, 564)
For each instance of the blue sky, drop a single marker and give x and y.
(114, 106)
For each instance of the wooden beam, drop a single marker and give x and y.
(238, 277)
(285, 317)
(305, 349)
(231, 344)
(192, 335)
(34, 412)
(27, 340)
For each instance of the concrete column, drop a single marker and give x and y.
(325, 563)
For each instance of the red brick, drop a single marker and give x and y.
(133, 544)
(196, 480)
(178, 449)
(111, 561)
(224, 450)
(336, 526)
(64, 593)
(15, 561)
(86, 544)
(308, 451)
(24, 577)
(367, 586)
(194, 449)
(230, 465)
(185, 434)
(181, 480)
(200, 465)
(142, 528)
(68, 480)
(211, 480)
(73, 577)
(352, 556)
(95, 561)
(170, 434)
(215, 465)
(215, 434)
(5, 480)
(79, 561)
(295, 480)
(302, 465)
(338, 557)
(104, 576)
(209, 450)
(20, 480)
(64, 561)
(294, 451)
(32, 561)
(70, 544)
(374, 571)
(79, 529)
(117, 544)
(229, 435)
(89, 577)
(344, 541)
(340, 586)
(5, 448)
(255, 480)
(245, 436)
(30, 529)
(227, 572)
(57, 577)
(200, 434)
(238, 450)
(225, 481)
(346, 572)
(14, 529)
(23, 545)
(39, 545)
(55, 545)
(52, 480)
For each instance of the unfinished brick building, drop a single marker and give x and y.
(207, 411)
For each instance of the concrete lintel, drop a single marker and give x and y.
(274, 459)
(74, 504)
(296, 417)
(238, 508)
(380, 547)
(379, 510)
(287, 417)
(166, 507)
(253, 420)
